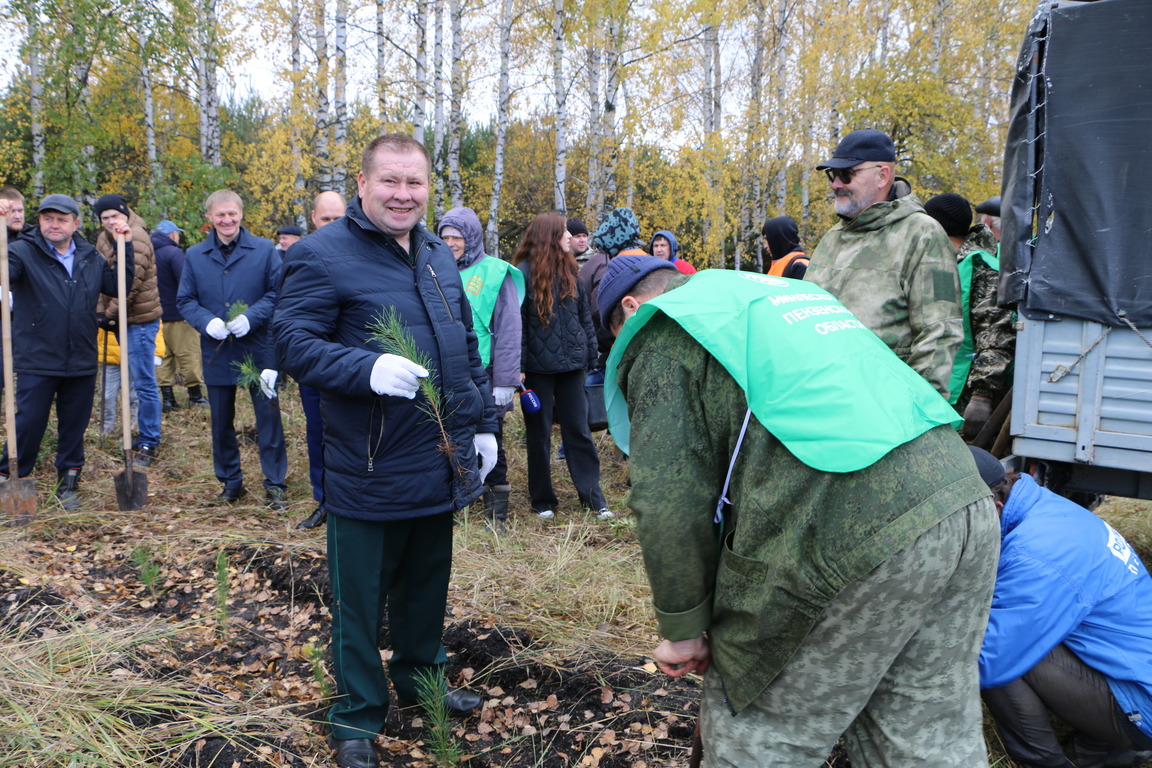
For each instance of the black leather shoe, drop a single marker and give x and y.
(355, 753)
(275, 498)
(461, 702)
(313, 520)
(230, 495)
(144, 455)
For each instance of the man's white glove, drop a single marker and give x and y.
(503, 395)
(268, 382)
(485, 452)
(240, 326)
(216, 329)
(157, 361)
(396, 376)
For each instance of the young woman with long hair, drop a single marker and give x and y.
(559, 348)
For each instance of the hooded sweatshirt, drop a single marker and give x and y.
(504, 326)
(674, 256)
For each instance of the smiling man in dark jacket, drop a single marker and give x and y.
(56, 279)
(392, 475)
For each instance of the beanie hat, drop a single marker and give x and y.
(619, 230)
(991, 470)
(621, 277)
(952, 211)
(576, 227)
(111, 202)
(783, 236)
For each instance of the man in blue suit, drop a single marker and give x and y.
(233, 269)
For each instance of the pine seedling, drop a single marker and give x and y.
(235, 309)
(389, 332)
(247, 374)
(441, 743)
(222, 592)
(141, 557)
(315, 656)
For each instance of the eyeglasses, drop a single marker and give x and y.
(845, 174)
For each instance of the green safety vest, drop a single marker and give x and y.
(963, 362)
(482, 283)
(827, 387)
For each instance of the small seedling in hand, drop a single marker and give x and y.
(247, 374)
(235, 309)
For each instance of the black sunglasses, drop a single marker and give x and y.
(845, 174)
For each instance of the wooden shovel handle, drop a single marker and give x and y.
(122, 324)
(6, 333)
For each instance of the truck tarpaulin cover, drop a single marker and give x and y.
(1077, 204)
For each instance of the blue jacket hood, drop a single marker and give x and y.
(466, 220)
(671, 240)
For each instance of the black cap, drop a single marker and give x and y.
(991, 470)
(60, 204)
(952, 211)
(861, 147)
(990, 207)
(576, 227)
(291, 229)
(111, 202)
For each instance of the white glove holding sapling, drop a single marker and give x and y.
(240, 326)
(397, 376)
(217, 329)
(268, 382)
(157, 361)
(503, 395)
(485, 443)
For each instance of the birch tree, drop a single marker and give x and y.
(36, 98)
(560, 94)
(503, 107)
(420, 103)
(207, 63)
(339, 172)
(438, 111)
(455, 102)
(321, 115)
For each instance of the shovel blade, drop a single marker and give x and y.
(18, 501)
(131, 489)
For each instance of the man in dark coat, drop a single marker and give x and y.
(227, 291)
(56, 279)
(393, 475)
(181, 340)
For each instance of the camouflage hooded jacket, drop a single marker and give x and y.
(992, 333)
(894, 268)
(794, 536)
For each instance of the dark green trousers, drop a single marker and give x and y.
(400, 566)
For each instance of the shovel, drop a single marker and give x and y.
(131, 484)
(18, 495)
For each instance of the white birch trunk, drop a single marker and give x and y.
(752, 215)
(420, 107)
(321, 117)
(608, 118)
(560, 93)
(455, 99)
(492, 234)
(340, 88)
(781, 54)
(295, 42)
(438, 111)
(36, 100)
(595, 194)
(149, 122)
(211, 96)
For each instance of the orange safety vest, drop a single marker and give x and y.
(780, 266)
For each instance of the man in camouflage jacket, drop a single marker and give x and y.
(995, 340)
(887, 261)
(831, 602)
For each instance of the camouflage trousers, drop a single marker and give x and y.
(890, 665)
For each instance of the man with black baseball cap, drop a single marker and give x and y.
(887, 260)
(989, 211)
(57, 278)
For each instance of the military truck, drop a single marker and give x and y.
(1076, 247)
